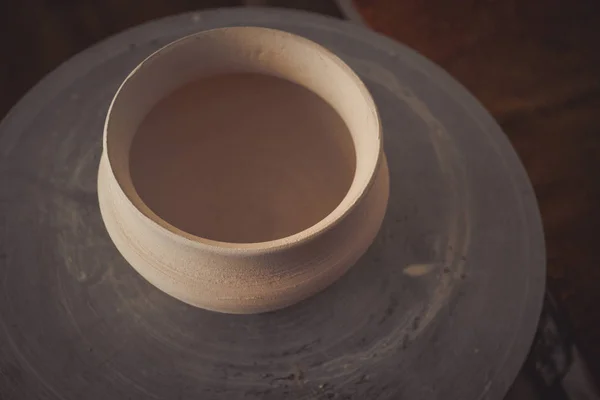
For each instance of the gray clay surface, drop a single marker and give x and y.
(443, 305)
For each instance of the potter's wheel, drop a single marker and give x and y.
(444, 304)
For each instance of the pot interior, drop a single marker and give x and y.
(242, 158)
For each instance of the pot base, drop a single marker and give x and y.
(210, 291)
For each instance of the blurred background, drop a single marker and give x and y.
(535, 65)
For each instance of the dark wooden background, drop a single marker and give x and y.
(534, 64)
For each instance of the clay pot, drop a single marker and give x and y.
(242, 169)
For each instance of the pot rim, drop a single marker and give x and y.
(324, 225)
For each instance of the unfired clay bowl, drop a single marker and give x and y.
(242, 169)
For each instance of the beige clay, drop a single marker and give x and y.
(242, 169)
(283, 163)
